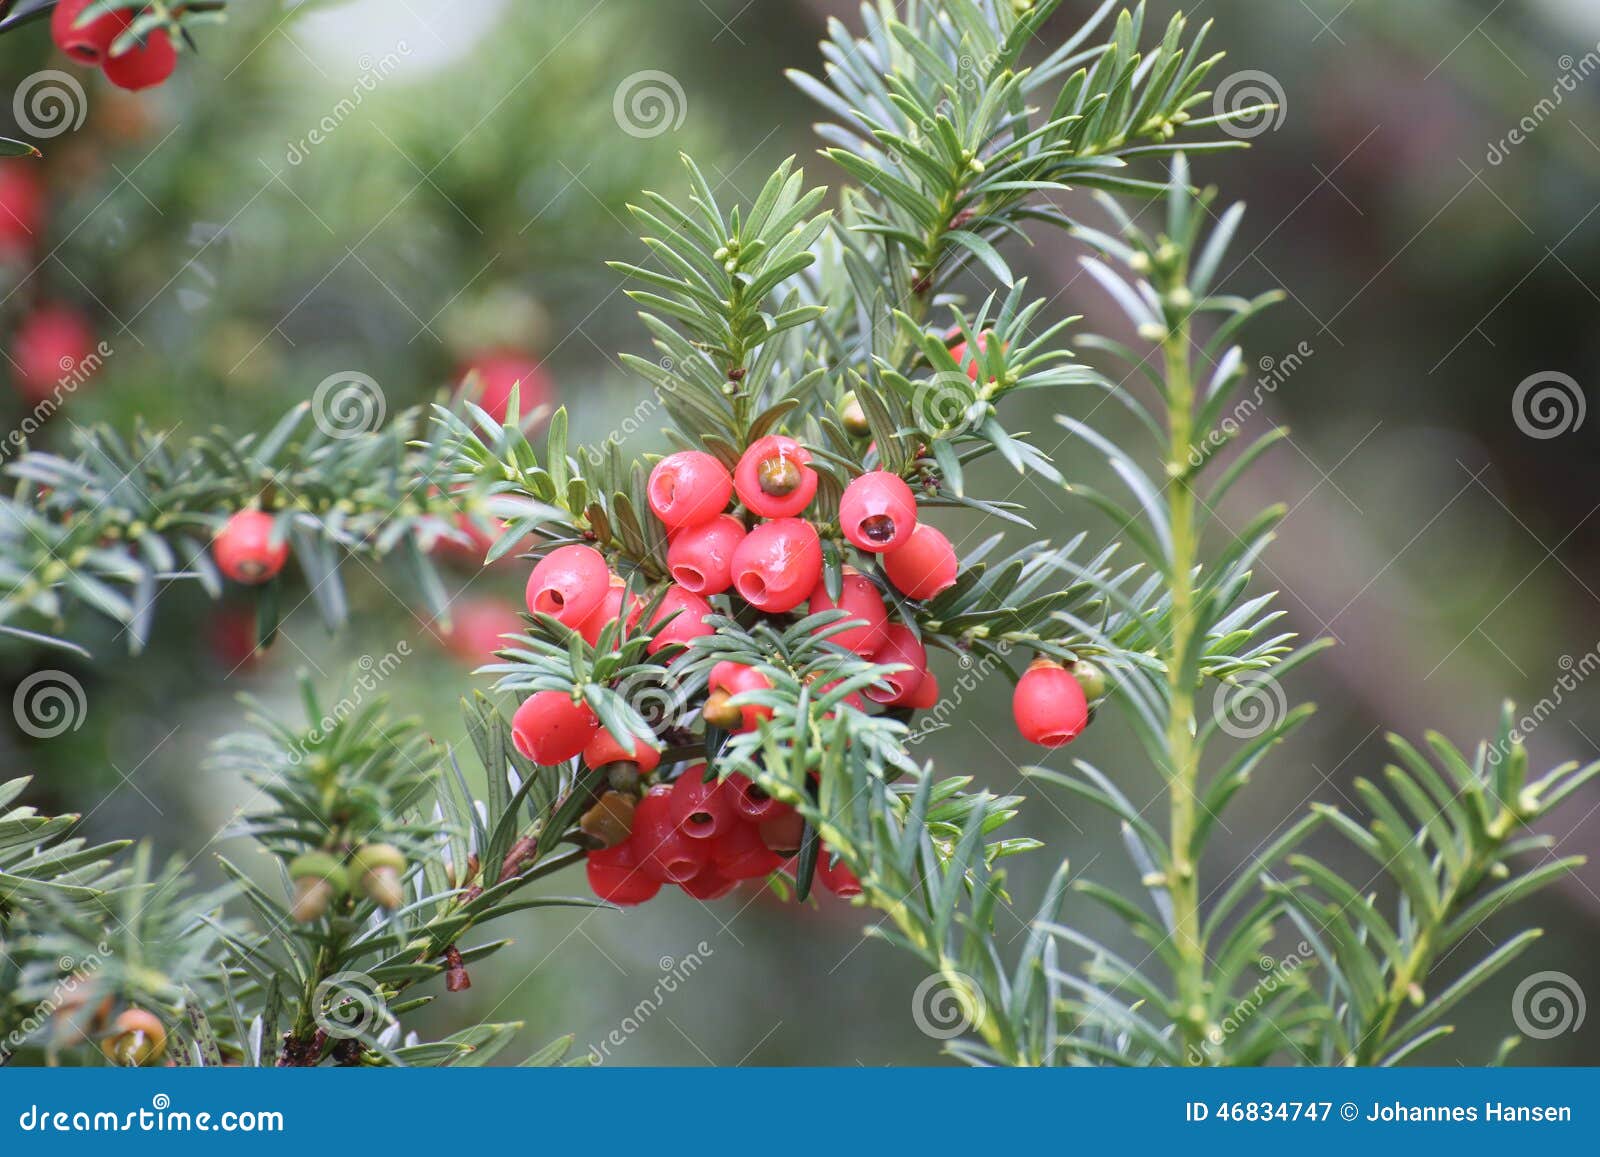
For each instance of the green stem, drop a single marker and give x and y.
(1183, 771)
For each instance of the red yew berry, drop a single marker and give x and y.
(739, 853)
(145, 64)
(550, 727)
(959, 351)
(688, 488)
(665, 851)
(690, 611)
(569, 584)
(859, 596)
(750, 801)
(837, 877)
(50, 350)
(778, 564)
(731, 679)
(604, 748)
(926, 694)
(700, 558)
(478, 628)
(700, 809)
(609, 611)
(615, 874)
(783, 833)
(710, 884)
(1049, 704)
(21, 207)
(90, 42)
(244, 548)
(878, 511)
(901, 646)
(852, 699)
(923, 565)
(498, 371)
(774, 478)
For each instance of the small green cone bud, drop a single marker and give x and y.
(138, 1038)
(377, 869)
(319, 880)
(852, 417)
(1091, 678)
(611, 820)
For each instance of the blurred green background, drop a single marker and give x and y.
(467, 177)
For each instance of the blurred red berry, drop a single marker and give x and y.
(836, 876)
(616, 875)
(700, 809)
(88, 43)
(926, 694)
(21, 207)
(232, 634)
(740, 854)
(604, 748)
(51, 348)
(244, 549)
(144, 64)
(700, 558)
(733, 678)
(901, 645)
(549, 728)
(750, 801)
(710, 884)
(690, 611)
(1049, 704)
(878, 511)
(688, 488)
(923, 565)
(959, 351)
(778, 565)
(774, 477)
(859, 596)
(665, 851)
(498, 371)
(783, 832)
(477, 627)
(569, 584)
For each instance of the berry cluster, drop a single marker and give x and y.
(143, 64)
(767, 556)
